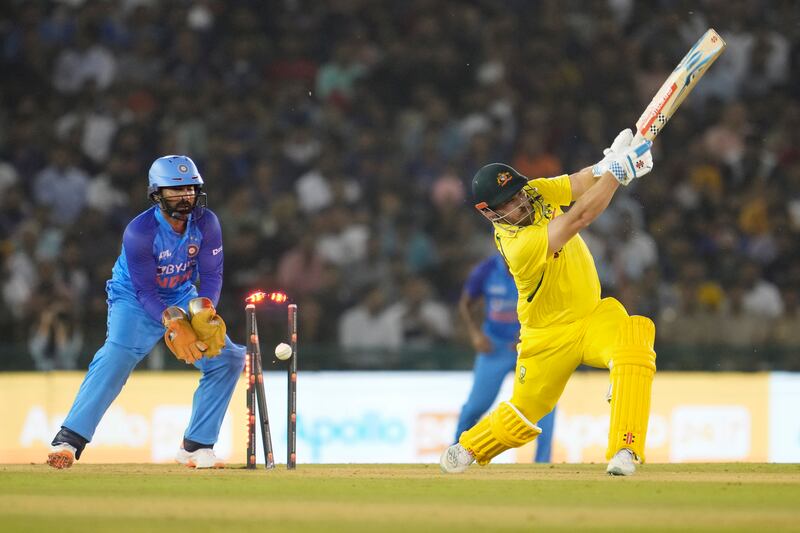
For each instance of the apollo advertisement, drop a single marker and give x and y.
(409, 417)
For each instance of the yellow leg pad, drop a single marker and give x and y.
(632, 370)
(503, 428)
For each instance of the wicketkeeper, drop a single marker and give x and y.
(564, 322)
(166, 250)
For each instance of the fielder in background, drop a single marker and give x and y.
(564, 322)
(152, 293)
(491, 286)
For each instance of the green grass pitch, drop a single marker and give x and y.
(407, 498)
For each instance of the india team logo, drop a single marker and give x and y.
(192, 250)
(183, 168)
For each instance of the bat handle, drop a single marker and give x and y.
(638, 138)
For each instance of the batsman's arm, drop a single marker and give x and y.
(592, 202)
(581, 182)
(617, 168)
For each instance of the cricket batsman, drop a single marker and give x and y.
(151, 293)
(564, 322)
(495, 341)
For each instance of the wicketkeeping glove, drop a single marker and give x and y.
(180, 338)
(208, 325)
(626, 163)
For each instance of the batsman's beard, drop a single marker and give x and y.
(521, 214)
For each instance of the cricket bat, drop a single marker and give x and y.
(678, 85)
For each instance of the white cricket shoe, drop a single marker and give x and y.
(62, 455)
(455, 459)
(202, 458)
(622, 464)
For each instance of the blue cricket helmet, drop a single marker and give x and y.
(176, 171)
(172, 171)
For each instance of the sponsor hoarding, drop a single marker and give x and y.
(409, 417)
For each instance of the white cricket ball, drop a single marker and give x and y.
(283, 351)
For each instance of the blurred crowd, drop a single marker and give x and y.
(337, 141)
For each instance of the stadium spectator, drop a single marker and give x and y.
(301, 269)
(424, 321)
(369, 333)
(760, 297)
(62, 187)
(635, 249)
(376, 112)
(56, 340)
(85, 64)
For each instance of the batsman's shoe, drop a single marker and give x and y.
(201, 458)
(61, 455)
(622, 464)
(455, 459)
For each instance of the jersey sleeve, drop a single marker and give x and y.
(473, 287)
(556, 191)
(210, 259)
(526, 254)
(137, 242)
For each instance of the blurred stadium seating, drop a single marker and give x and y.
(337, 141)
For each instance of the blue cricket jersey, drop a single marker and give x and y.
(159, 267)
(492, 280)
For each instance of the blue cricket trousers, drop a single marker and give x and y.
(131, 335)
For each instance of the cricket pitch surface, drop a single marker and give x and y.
(402, 498)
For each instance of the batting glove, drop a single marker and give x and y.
(627, 164)
(621, 142)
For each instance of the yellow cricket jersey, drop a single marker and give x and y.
(557, 288)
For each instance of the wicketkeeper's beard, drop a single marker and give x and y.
(180, 209)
